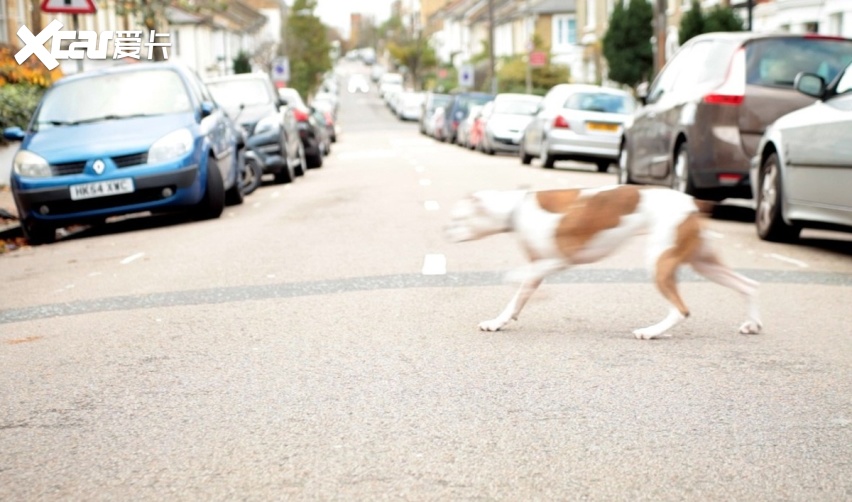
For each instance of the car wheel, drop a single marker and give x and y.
(526, 158)
(234, 195)
(768, 219)
(681, 180)
(623, 167)
(547, 159)
(251, 176)
(213, 202)
(603, 166)
(303, 163)
(315, 161)
(37, 232)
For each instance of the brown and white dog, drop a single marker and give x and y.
(561, 228)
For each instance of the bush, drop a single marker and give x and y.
(242, 63)
(21, 88)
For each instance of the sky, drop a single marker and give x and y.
(336, 12)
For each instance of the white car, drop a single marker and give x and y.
(578, 122)
(410, 105)
(506, 118)
(802, 173)
(358, 83)
(388, 81)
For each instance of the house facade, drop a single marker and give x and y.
(572, 31)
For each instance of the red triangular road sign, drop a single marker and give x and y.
(69, 6)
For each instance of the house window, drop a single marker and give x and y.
(564, 30)
(4, 34)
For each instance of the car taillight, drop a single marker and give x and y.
(560, 123)
(732, 90)
(328, 119)
(300, 115)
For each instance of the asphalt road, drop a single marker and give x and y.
(295, 349)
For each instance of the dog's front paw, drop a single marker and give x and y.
(649, 334)
(492, 325)
(750, 327)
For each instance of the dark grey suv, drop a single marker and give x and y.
(704, 114)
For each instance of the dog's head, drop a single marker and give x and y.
(481, 214)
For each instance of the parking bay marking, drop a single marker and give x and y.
(434, 264)
(132, 258)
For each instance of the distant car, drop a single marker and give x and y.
(704, 114)
(474, 113)
(309, 129)
(802, 172)
(94, 149)
(578, 122)
(329, 118)
(431, 103)
(358, 83)
(437, 121)
(410, 105)
(458, 109)
(505, 121)
(387, 80)
(251, 101)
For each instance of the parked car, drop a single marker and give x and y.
(92, 151)
(477, 127)
(505, 120)
(309, 136)
(410, 105)
(802, 172)
(330, 120)
(578, 122)
(431, 103)
(389, 80)
(458, 109)
(438, 119)
(704, 114)
(463, 133)
(252, 102)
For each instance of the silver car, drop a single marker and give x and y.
(803, 168)
(578, 122)
(506, 119)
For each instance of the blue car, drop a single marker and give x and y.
(127, 139)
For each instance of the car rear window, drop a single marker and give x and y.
(516, 107)
(599, 102)
(776, 61)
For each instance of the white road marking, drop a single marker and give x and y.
(713, 234)
(367, 155)
(132, 258)
(256, 205)
(787, 259)
(434, 264)
(424, 182)
(431, 205)
(275, 194)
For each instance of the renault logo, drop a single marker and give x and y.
(99, 166)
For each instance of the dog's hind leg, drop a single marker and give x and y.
(535, 274)
(707, 264)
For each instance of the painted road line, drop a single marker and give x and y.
(431, 205)
(434, 264)
(424, 182)
(132, 258)
(787, 259)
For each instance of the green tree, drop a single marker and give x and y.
(722, 18)
(415, 54)
(695, 22)
(512, 76)
(692, 23)
(242, 63)
(627, 42)
(307, 47)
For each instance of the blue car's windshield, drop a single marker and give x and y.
(113, 96)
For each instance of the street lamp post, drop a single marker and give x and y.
(491, 47)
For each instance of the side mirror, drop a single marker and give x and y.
(810, 84)
(13, 133)
(207, 109)
(282, 102)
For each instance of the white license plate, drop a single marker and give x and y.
(102, 189)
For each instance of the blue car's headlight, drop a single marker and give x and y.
(27, 163)
(170, 147)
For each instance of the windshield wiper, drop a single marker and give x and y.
(108, 117)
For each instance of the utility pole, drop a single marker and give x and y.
(530, 29)
(491, 65)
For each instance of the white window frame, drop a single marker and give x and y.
(557, 21)
(591, 14)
